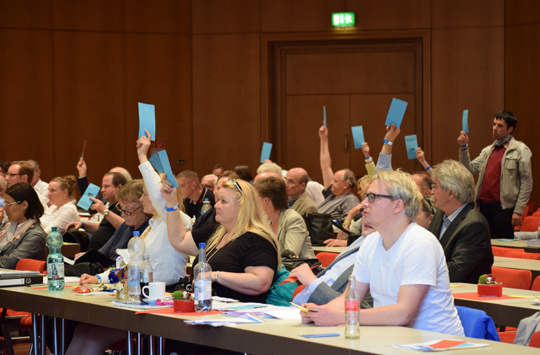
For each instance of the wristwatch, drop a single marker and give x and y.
(106, 212)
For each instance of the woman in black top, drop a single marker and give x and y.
(242, 252)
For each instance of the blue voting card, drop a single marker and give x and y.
(156, 163)
(465, 121)
(358, 136)
(396, 112)
(147, 120)
(164, 160)
(265, 152)
(412, 144)
(324, 115)
(85, 202)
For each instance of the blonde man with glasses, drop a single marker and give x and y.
(402, 265)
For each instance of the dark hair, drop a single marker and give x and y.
(26, 168)
(4, 164)
(23, 191)
(219, 166)
(68, 183)
(243, 172)
(509, 118)
(275, 190)
(117, 179)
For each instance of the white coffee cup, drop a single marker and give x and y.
(154, 291)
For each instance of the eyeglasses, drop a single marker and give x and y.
(371, 197)
(121, 210)
(430, 205)
(208, 186)
(237, 186)
(7, 204)
(435, 186)
(12, 175)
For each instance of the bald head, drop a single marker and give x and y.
(266, 174)
(296, 181)
(3, 186)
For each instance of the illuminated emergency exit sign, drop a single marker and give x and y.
(343, 19)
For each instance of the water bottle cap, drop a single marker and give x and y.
(206, 200)
(136, 233)
(202, 245)
(54, 229)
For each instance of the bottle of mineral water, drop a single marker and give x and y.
(136, 249)
(202, 274)
(147, 273)
(205, 206)
(352, 311)
(55, 261)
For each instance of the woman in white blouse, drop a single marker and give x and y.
(62, 209)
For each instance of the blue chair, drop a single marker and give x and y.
(477, 324)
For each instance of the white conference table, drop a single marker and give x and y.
(507, 312)
(519, 263)
(269, 337)
(517, 244)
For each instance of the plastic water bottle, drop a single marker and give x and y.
(205, 206)
(352, 311)
(55, 261)
(202, 273)
(147, 273)
(136, 249)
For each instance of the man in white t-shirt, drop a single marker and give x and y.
(402, 265)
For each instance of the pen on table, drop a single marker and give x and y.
(302, 308)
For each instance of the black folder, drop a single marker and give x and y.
(92, 256)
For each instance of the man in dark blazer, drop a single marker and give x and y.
(461, 229)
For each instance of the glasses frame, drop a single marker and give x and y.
(11, 175)
(128, 213)
(237, 186)
(7, 204)
(371, 197)
(430, 205)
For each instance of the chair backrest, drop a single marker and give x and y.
(514, 254)
(530, 224)
(525, 213)
(535, 214)
(501, 251)
(31, 265)
(535, 340)
(298, 290)
(326, 258)
(536, 284)
(513, 278)
(477, 324)
(532, 256)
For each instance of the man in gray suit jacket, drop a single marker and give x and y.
(332, 281)
(461, 229)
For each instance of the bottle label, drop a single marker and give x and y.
(203, 290)
(352, 305)
(55, 271)
(134, 276)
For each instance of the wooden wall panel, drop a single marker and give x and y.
(89, 101)
(466, 13)
(299, 15)
(522, 85)
(467, 73)
(26, 14)
(226, 101)
(157, 16)
(226, 16)
(160, 76)
(522, 12)
(88, 15)
(390, 14)
(26, 97)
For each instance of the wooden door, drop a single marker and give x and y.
(356, 80)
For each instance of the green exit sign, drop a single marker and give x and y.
(343, 19)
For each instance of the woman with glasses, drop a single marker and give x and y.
(243, 251)
(23, 237)
(62, 210)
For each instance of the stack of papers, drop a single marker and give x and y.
(441, 345)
